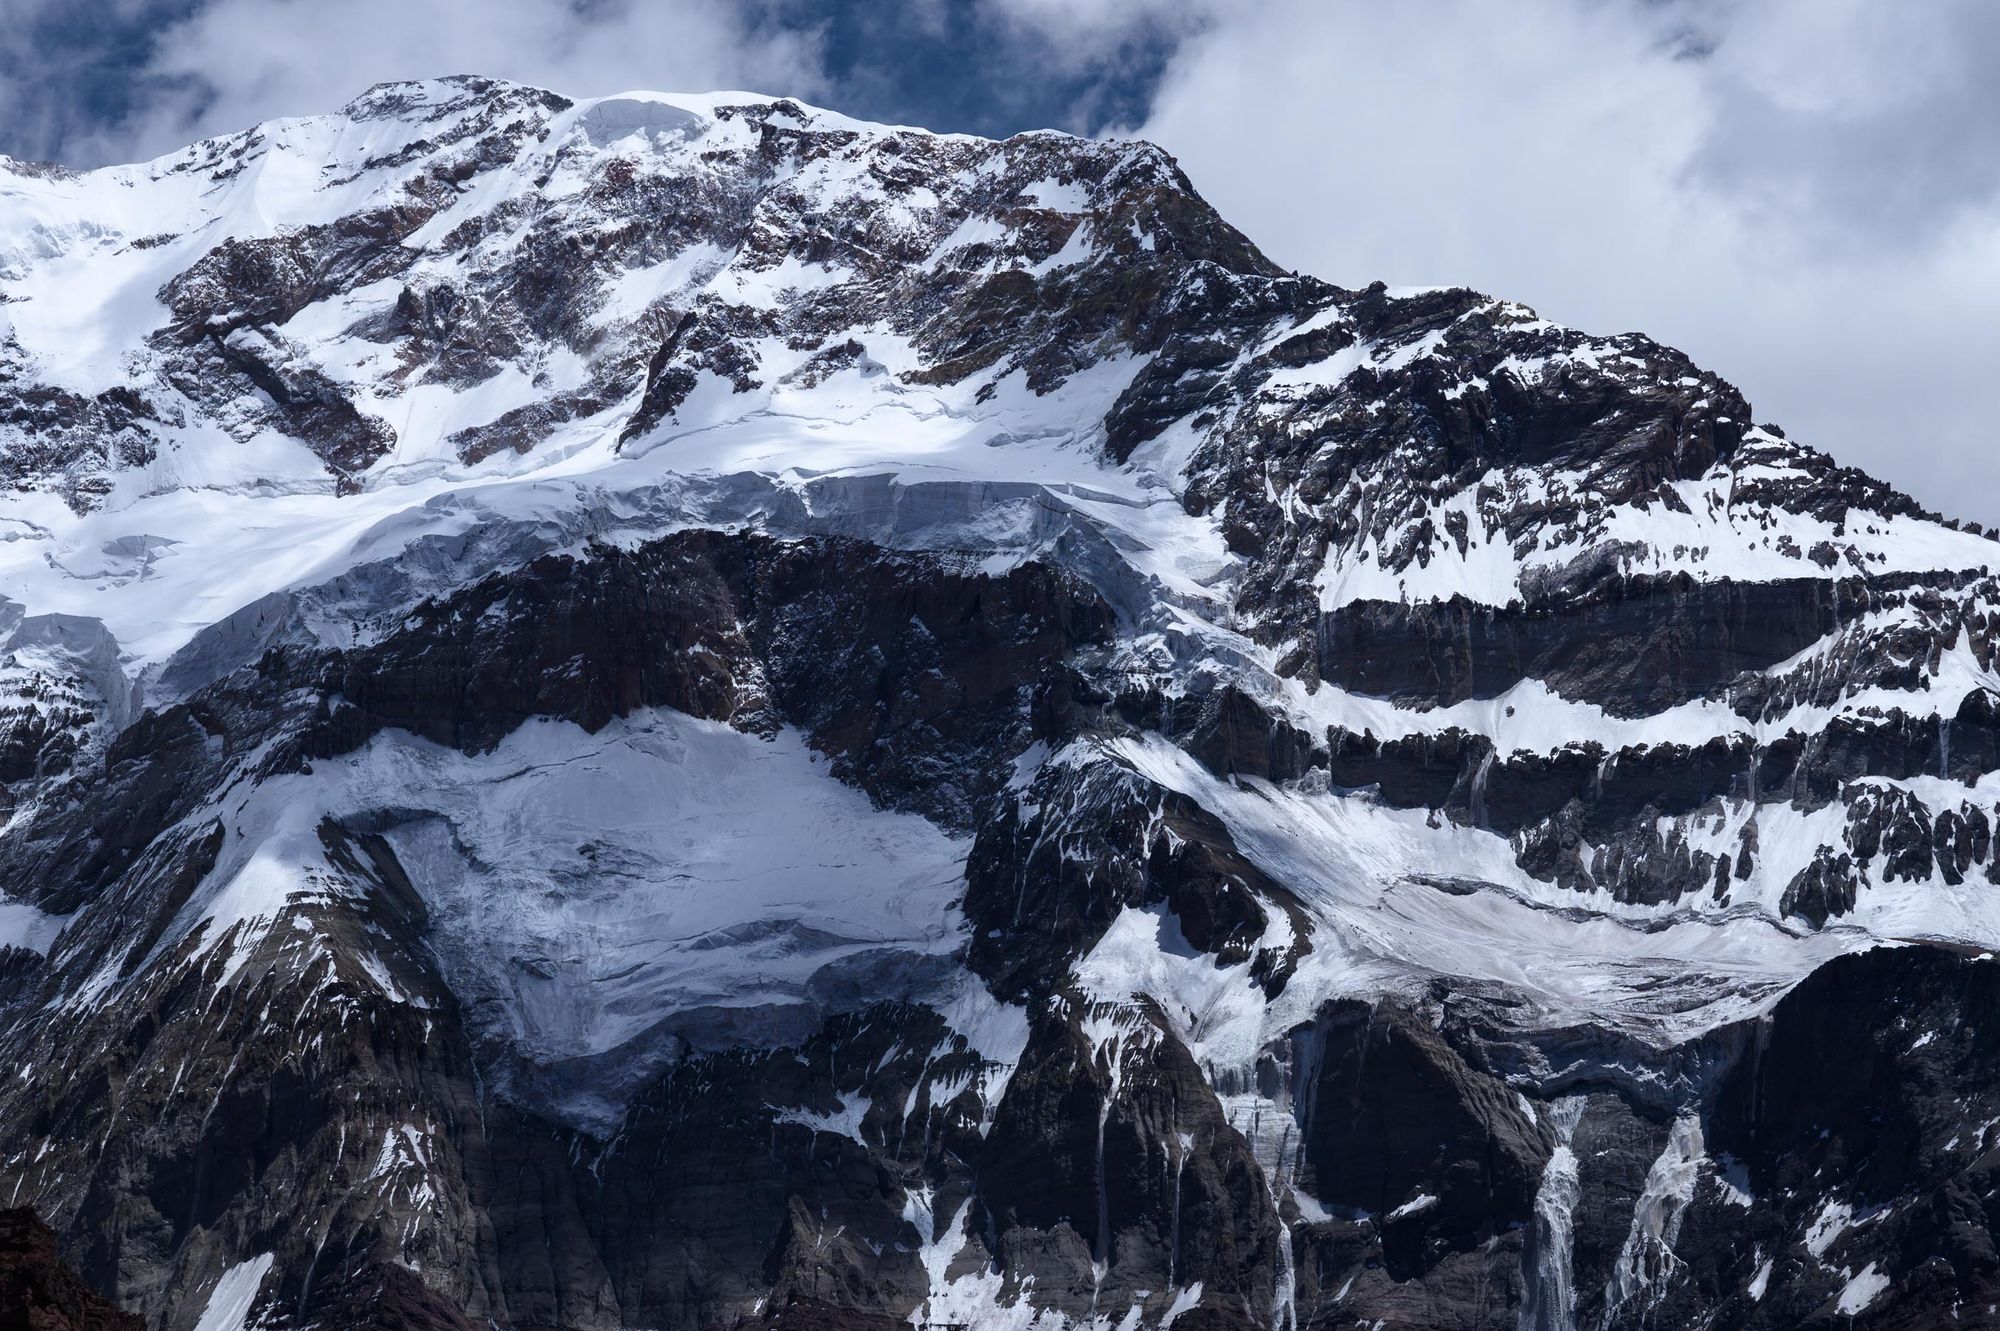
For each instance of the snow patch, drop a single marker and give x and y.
(25, 926)
(229, 1303)
(1862, 1290)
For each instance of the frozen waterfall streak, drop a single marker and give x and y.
(1479, 789)
(1647, 1260)
(1113, 1051)
(1548, 1274)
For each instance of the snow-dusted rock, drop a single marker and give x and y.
(682, 711)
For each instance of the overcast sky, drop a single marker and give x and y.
(1803, 194)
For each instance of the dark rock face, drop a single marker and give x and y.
(1116, 1163)
(1089, 839)
(900, 670)
(1823, 888)
(1616, 1146)
(38, 1292)
(1357, 807)
(1817, 1145)
(1633, 651)
(389, 1297)
(1399, 1126)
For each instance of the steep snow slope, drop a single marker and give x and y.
(680, 710)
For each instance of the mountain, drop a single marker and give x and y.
(38, 1293)
(684, 712)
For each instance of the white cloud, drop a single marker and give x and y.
(1800, 193)
(232, 63)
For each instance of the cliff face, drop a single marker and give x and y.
(683, 712)
(38, 1292)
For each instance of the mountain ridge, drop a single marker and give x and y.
(684, 711)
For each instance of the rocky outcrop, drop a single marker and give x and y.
(1112, 1168)
(1633, 651)
(1397, 1126)
(1811, 1149)
(38, 1292)
(1090, 838)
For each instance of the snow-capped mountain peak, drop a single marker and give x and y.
(681, 710)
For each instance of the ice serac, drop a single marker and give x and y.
(682, 711)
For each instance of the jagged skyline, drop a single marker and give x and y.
(1805, 196)
(677, 710)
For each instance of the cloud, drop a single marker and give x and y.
(215, 67)
(1082, 32)
(57, 61)
(1878, 125)
(1802, 194)
(92, 81)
